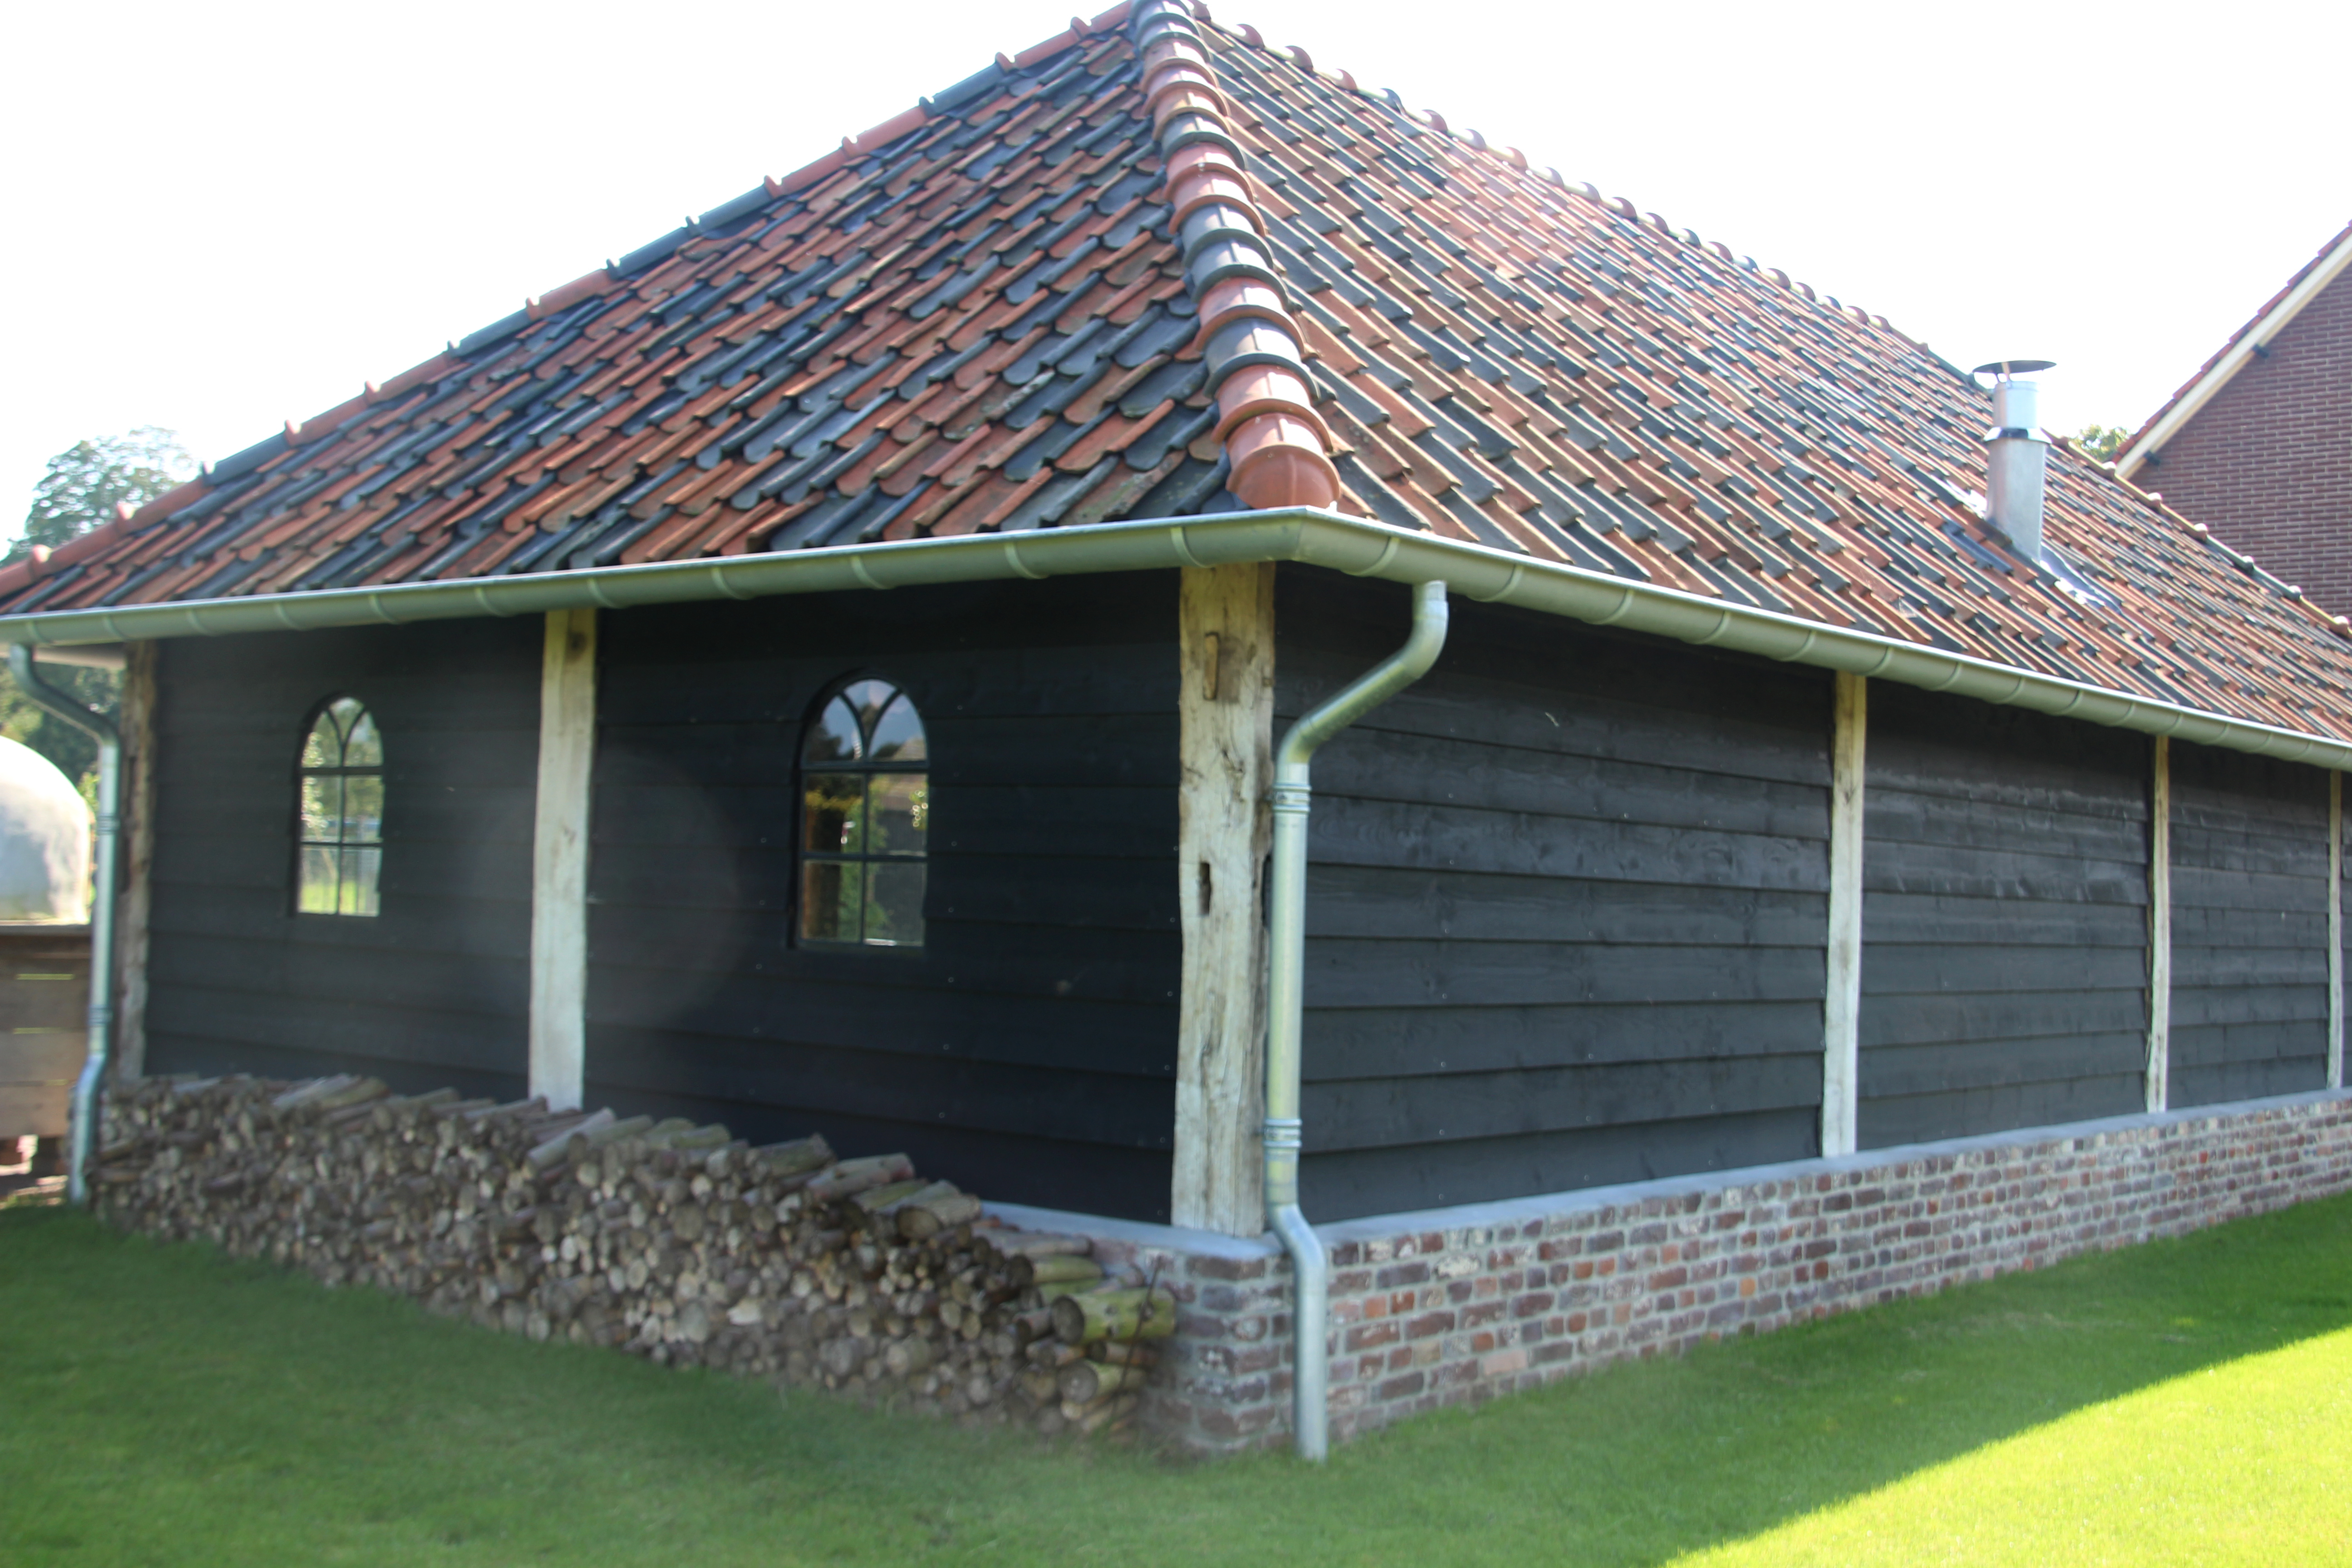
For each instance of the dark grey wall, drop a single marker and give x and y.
(433, 991)
(1566, 908)
(2004, 973)
(1028, 1050)
(2248, 926)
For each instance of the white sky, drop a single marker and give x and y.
(219, 216)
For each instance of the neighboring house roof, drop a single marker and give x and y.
(2309, 280)
(974, 317)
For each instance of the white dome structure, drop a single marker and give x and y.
(44, 840)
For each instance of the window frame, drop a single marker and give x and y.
(303, 771)
(804, 771)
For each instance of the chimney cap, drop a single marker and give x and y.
(2014, 367)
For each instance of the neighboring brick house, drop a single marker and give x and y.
(2258, 444)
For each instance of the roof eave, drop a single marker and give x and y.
(1352, 545)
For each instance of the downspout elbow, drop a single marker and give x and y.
(1285, 1009)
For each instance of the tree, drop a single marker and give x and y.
(2100, 443)
(82, 484)
(77, 492)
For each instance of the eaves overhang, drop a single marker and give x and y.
(1355, 546)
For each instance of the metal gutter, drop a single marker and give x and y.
(1352, 545)
(1285, 1000)
(81, 1135)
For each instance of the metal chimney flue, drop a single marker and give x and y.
(2015, 455)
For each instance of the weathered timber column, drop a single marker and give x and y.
(131, 914)
(2159, 926)
(2334, 929)
(1841, 1000)
(1224, 830)
(558, 860)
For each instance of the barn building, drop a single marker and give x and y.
(825, 671)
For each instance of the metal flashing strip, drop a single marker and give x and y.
(1355, 546)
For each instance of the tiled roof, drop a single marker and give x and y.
(2331, 257)
(976, 317)
(970, 317)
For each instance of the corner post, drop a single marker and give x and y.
(1841, 998)
(1223, 834)
(2334, 929)
(139, 857)
(2160, 925)
(559, 862)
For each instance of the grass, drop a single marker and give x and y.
(2189, 1401)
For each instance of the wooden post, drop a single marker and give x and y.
(1224, 830)
(2334, 929)
(2159, 926)
(1842, 1001)
(136, 895)
(559, 864)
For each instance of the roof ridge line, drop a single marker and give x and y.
(1277, 445)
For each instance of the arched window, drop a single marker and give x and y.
(864, 817)
(340, 851)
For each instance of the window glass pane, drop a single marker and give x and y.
(832, 814)
(315, 894)
(868, 698)
(899, 734)
(834, 738)
(866, 812)
(362, 748)
(338, 824)
(323, 747)
(830, 895)
(363, 808)
(894, 903)
(322, 808)
(900, 814)
(359, 867)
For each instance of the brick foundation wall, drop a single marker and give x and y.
(1457, 1305)
(2266, 463)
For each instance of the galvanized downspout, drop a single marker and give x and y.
(1286, 984)
(82, 1136)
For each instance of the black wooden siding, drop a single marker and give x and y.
(2004, 917)
(1028, 1050)
(1565, 910)
(2248, 926)
(433, 991)
(1566, 906)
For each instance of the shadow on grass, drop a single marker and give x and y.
(256, 1415)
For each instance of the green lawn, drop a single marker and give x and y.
(2184, 1402)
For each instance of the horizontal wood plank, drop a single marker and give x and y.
(1343, 1185)
(43, 1058)
(35, 1110)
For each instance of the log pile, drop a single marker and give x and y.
(670, 1240)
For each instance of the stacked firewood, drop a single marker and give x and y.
(671, 1240)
